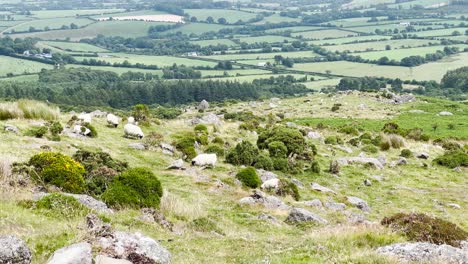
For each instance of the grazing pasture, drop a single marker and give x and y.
(381, 45)
(45, 14)
(276, 18)
(198, 28)
(260, 56)
(19, 66)
(214, 42)
(52, 23)
(231, 16)
(357, 39)
(293, 29)
(324, 34)
(147, 18)
(267, 38)
(398, 54)
(160, 61)
(440, 32)
(72, 46)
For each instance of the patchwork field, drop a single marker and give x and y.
(44, 14)
(231, 16)
(147, 18)
(268, 39)
(198, 28)
(398, 54)
(214, 42)
(160, 61)
(381, 45)
(324, 34)
(260, 56)
(440, 32)
(349, 40)
(72, 46)
(19, 66)
(53, 23)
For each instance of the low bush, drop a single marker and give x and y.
(350, 130)
(406, 153)
(453, 159)
(205, 224)
(202, 139)
(249, 177)
(245, 153)
(277, 149)
(153, 140)
(59, 170)
(424, 228)
(37, 131)
(286, 187)
(280, 164)
(295, 166)
(291, 137)
(60, 206)
(186, 145)
(370, 149)
(336, 107)
(56, 128)
(166, 112)
(134, 188)
(333, 140)
(200, 129)
(93, 132)
(218, 140)
(315, 167)
(264, 162)
(216, 149)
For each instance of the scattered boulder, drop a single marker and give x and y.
(211, 119)
(152, 215)
(378, 178)
(354, 218)
(298, 215)
(345, 149)
(203, 105)
(266, 175)
(270, 184)
(314, 203)
(268, 218)
(298, 183)
(445, 113)
(259, 197)
(403, 98)
(79, 253)
(14, 251)
(134, 246)
(167, 149)
(454, 205)
(422, 252)
(359, 203)
(101, 259)
(291, 124)
(423, 155)
(97, 227)
(176, 165)
(399, 162)
(320, 188)
(137, 145)
(11, 128)
(335, 206)
(314, 135)
(367, 182)
(98, 113)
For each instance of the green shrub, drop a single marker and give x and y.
(216, 149)
(333, 140)
(295, 166)
(280, 164)
(424, 228)
(37, 131)
(335, 107)
(406, 153)
(56, 128)
(385, 145)
(450, 145)
(202, 139)
(251, 125)
(370, 149)
(200, 128)
(286, 187)
(141, 112)
(264, 162)
(245, 153)
(277, 149)
(350, 130)
(60, 206)
(315, 166)
(93, 132)
(249, 177)
(167, 113)
(291, 137)
(59, 170)
(365, 136)
(205, 224)
(355, 141)
(393, 128)
(453, 159)
(218, 140)
(186, 145)
(153, 140)
(134, 188)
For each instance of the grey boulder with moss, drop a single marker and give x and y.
(422, 252)
(359, 203)
(79, 253)
(14, 251)
(298, 215)
(84, 199)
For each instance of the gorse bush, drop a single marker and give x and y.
(370, 149)
(249, 177)
(315, 167)
(59, 170)
(406, 153)
(200, 128)
(216, 149)
(291, 137)
(37, 131)
(424, 228)
(264, 162)
(93, 132)
(245, 153)
(453, 159)
(186, 145)
(277, 149)
(134, 188)
(218, 140)
(153, 140)
(333, 140)
(56, 128)
(350, 130)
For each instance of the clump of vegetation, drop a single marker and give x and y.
(205, 224)
(218, 140)
(424, 228)
(333, 140)
(453, 159)
(336, 107)
(406, 153)
(186, 145)
(134, 188)
(28, 109)
(391, 141)
(315, 167)
(167, 112)
(56, 128)
(59, 170)
(153, 140)
(280, 164)
(291, 138)
(370, 149)
(245, 153)
(93, 132)
(37, 131)
(249, 177)
(100, 168)
(350, 130)
(264, 162)
(200, 129)
(277, 149)
(286, 187)
(60, 206)
(216, 149)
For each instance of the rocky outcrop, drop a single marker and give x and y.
(270, 202)
(79, 253)
(422, 252)
(266, 175)
(14, 251)
(176, 165)
(320, 188)
(11, 128)
(298, 215)
(359, 203)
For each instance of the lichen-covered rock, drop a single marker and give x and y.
(266, 175)
(176, 165)
(100, 259)
(11, 128)
(298, 215)
(259, 197)
(79, 253)
(314, 203)
(14, 251)
(335, 206)
(317, 187)
(359, 203)
(137, 146)
(422, 252)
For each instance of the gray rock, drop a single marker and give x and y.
(211, 119)
(422, 252)
(454, 205)
(423, 155)
(176, 165)
(403, 98)
(345, 149)
(320, 188)
(298, 215)
(314, 135)
(298, 183)
(291, 124)
(367, 182)
(266, 175)
(137, 145)
(354, 218)
(457, 169)
(167, 147)
(14, 251)
(101, 259)
(417, 111)
(97, 227)
(402, 161)
(314, 203)
(268, 218)
(335, 206)
(79, 253)
(378, 178)
(359, 203)
(259, 197)
(11, 128)
(445, 113)
(125, 245)
(84, 199)
(203, 105)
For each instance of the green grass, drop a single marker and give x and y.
(440, 32)
(118, 70)
(424, 3)
(198, 28)
(231, 16)
(267, 38)
(324, 34)
(132, 13)
(250, 78)
(150, 60)
(19, 66)
(276, 18)
(53, 23)
(381, 45)
(348, 40)
(392, 27)
(398, 54)
(214, 42)
(44, 14)
(72, 46)
(292, 29)
(262, 56)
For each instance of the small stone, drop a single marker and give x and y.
(445, 113)
(266, 175)
(367, 182)
(454, 205)
(335, 206)
(11, 128)
(298, 183)
(320, 188)
(314, 203)
(138, 146)
(176, 165)
(423, 155)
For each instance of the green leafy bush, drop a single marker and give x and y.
(453, 159)
(37, 131)
(167, 113)
(185, 144)
(291, 137)
(200, 128)
(315, 166)
(59, 170)
(153, 140)
(333, 140)
(280, 164)
(249, 177)
(134, 188)
(277, 149)
(56, 128)
(264, 162)
(216, 149)
(350, 130)
(385, 145)
(60, 206)
(202, 139)
(335, 107)
(424, 228)
(370, 149)
(406, 153)
(286, 187)
(93, 132)
(245, 153)
(218, 140)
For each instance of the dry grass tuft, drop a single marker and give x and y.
(28, 109)
(180, 208)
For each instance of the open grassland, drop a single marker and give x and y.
(52, 23)
(44, 14)
(424, 3)
(324, 34)
(233, 73)
(198, 28)
(118, 70)
(381, 45)
(392, 27)
(365, 3)
(22, 78)
(267, 38)
(398, 54)
(429, 71)
(19, 66)
(321, 83)
(72, 46)
(150, 60)
(231, 16)
(293, 29)
(276, 18)
(106, 28)
(353, 22)
(261, 56)
(215, 42)
(132, 13)
(349, 40)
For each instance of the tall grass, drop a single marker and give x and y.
(5, 171)
(28, 109)
(181, 209)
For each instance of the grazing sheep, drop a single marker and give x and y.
(112, 120)
(204, 160)
(133, 131)
(131, 120)
(270, 184)
(81, 130)
(85, 118)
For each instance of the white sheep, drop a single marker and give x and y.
(81, 130)
(85, 118)
(270, 184)
(131, 120)
(131, 130)
(112, 120)
(204, 160)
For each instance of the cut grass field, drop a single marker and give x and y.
(440, 32)
(398, 54)
(44, 14)
(52, 23)
(215, 42)
(231, 16)
(262, 56)
(324, 34)
(276, 18)
(293, 29)
(198, 28)
(19, 66)
(72, 46)
(381, 45)
(349, 40)
(267, 38)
